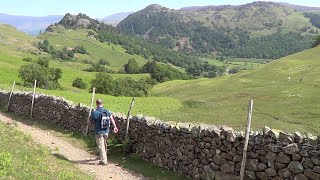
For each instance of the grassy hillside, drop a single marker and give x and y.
(114, 54)
(254, 30)
(278, 103)
(21, 158)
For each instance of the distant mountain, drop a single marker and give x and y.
(299, 7)
(115, 19)
(254, 30)
(29, 24)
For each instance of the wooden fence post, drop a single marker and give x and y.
(128, 118)
(91, 104)
(244, 154)
(14, 83)
(34, 93)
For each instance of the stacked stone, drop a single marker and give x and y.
(209, 152)
(4, 98)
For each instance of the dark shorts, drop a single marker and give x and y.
(102, 131)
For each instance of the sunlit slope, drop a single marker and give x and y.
(278, 103)
(114, 54)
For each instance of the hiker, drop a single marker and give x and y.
(101, 118)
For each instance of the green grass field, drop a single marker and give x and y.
(114, 54)
(21, 158)
(243, 64)
(278, 103)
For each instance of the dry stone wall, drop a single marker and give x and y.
(198, 151)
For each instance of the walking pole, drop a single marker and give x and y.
(34, 93)
(92, 98)
(244, 154)
(14, 83)
(128, 117)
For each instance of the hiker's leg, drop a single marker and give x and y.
(106, 145)
(102, 151)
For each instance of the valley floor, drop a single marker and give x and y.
(64, 150)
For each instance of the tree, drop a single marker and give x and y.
(132, 67)
(103, 83)
(316, 42)
(104, 62)
(80, 49)
(46, 77)
(79, 83)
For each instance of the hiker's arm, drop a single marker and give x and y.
(115, 129)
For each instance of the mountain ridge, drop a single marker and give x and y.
(219, 30)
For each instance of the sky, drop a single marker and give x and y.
(102, 8)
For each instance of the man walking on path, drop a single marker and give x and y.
(101, 118)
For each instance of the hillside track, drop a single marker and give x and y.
(82, 159)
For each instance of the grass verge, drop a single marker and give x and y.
(21, 158)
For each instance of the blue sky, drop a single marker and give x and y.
(102, 8)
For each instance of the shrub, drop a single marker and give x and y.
(79, 83)
(80, 49)
(104, 84)
(86, 61)
(46, 77)
(27, 59)
(104, 62)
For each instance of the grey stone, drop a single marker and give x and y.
(250, 175)
(274, 133)
(279, 165)
(306, 162)
(291, 148)
(237, 158)
(261, 175)
(262, 167)
(284, 173)
(296, 157)
(285, 137)
(310, 174)
(298, 138)
(300, 177)
(277, 178)
(271, 156)
(252, 164)
(315, 161)
(312, 139)
(224, 176)
(304, 153)
(217, 160)
(266, 130)
(295, 167)
(283, 158)
(229, 134)
(271, 164)
(271, 172)
(227, 167)
(208, 173)
(216, 131)
(316, 169)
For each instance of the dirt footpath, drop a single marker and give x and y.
(85, 161)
